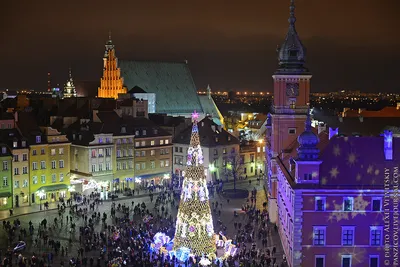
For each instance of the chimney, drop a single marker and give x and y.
(388, 144)
(361, 118)
(321, 127)
(333, 132)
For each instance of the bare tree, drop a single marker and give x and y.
(234, 167)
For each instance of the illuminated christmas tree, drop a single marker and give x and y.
(194, 225)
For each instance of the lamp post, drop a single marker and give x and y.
(40, 194)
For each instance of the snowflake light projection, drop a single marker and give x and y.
(336, 150)
(352, 159)
(334, 172)
(359, 207)
(357, 254)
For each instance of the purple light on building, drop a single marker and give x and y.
(388, 144)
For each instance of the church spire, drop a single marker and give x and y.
(109, 44)
(209, 91)
(292, 53)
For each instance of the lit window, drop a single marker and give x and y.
(25, 184)
(152, 164)
(43, 179)
(42, 165)
(53, 151)
(143, 143)
(319, 235)
(152, 152)
(347, 235)
(161, 142)
(143, 153)
(161, 163)
(61, 177)
(16, 184)
(375, 233)
(166, 141)
(38, 139)
(34, 180)
(15, 144)
(61, 151)
(348, 203)
(137, 144)
(258, 149)
(166, 163)
(54, 178)
(143, 165)
(152, 142)
(101, 152)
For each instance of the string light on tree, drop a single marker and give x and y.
(194, 225)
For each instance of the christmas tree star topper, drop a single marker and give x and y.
(195, 116)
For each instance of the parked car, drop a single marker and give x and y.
(21, 245)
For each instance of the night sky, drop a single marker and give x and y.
(351, 44)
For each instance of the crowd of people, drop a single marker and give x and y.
(121, 234)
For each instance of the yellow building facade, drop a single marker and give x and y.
(111, 84)
(20, 173)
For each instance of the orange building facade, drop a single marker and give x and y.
(111, 84)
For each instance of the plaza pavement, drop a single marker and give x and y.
(62, 233)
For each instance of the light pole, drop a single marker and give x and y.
(41, 195)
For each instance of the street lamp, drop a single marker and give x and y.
(41, 194)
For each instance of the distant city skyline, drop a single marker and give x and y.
(229, 47)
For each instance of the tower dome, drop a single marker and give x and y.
(308, 142)
(292, 53)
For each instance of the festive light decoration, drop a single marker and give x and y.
(194, 226)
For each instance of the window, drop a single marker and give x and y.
(16, 184)
(53, 151)
(61, 151)
(94, 153)
(42, 165)
(24, 157)
(34, 180)
(292, 131)
(346, 261)
(15, 158)
(24, 170)
(118, 166)
(161, 163)
(137, 153)
(118, 141)
(137, 166)
(93, 167)
(166, 141)
(376, 204)
(34, 153)
(161, 151)
(137, 144)
(166, 163)
(54, 178)
(101, 154)
(319, 260)
(152, 152)
(258, 149)
(144, 132)
(373, 261)
(130, 152)
(100, 167)
(180, 149)
(61, 177)
(161, 142)
(5, 181)
(176, 149)
(108, 166)
(34, 166)
(152, 165)
(375, 233)
(166, 150)
(347, 235)
(292, 104)
(224, 151)
(108, 140)
(348, 203)
(38, 139)
(25, 183)
(320, 203)
(42, 151)
(152, 142)
(3, 150)
(23, 143)
(53, 164)
(319, 235)
(16, 171)
(143, 143)
(143, 165)
(307, 176)
(108, 152)
(100, 140)
(15, 144)
(143, 153)
(215, 152)
(43, 179)
(5, 165)
(61, 163)
(293, 53)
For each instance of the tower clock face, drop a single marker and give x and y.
(292, 89)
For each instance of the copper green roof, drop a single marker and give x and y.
(172, 83)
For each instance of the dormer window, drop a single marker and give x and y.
(144, 132)
(293, 53)
(229, 138)
(23, 143)
(155, 131)
(15, 144)
(123, 129)
(4, 150)
(38, 139)
(100, 140)
(137, 132)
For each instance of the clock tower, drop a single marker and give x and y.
(290, 105)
